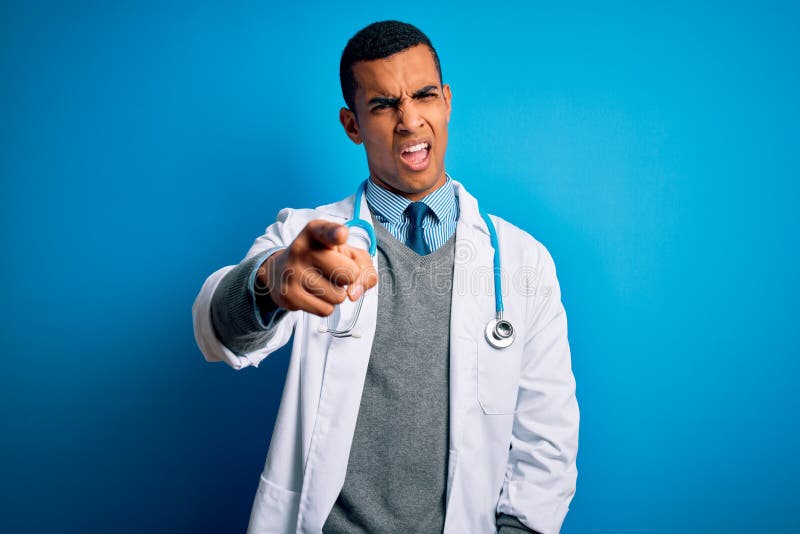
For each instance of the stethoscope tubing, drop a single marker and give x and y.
(499, 332)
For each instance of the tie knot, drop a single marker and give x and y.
(416, 212)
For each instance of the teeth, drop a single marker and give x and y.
(416, 148)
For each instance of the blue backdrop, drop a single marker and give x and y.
(652, 150)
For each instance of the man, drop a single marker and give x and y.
(417, 421)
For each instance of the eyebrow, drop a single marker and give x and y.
(394, 101)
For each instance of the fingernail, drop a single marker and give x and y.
(356, 291)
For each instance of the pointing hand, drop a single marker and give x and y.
(318, 270)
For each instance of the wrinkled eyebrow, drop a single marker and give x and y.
(424, 91)
(394, 101)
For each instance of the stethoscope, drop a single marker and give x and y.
(499, 332)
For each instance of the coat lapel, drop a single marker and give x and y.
(471, 307)
(346, 361)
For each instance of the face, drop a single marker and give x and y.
(402, 116)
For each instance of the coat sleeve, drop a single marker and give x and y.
(263, 339)
(541, 473)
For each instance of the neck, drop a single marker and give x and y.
(413, 196)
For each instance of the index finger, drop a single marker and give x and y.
(327, 233)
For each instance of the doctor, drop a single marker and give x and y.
(400, 412)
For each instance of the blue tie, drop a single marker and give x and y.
(416, 212)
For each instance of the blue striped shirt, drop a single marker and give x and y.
(438, 225)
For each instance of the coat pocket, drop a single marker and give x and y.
(498, 378)
(274, 509)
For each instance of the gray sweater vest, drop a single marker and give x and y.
(397, 471)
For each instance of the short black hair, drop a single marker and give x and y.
(377, 41)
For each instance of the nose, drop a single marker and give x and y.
(409, 117)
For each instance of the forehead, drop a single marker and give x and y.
(405, 71)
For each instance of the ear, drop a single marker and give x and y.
(350, 124)
(448, 97)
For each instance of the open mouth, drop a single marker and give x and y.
(416, 156)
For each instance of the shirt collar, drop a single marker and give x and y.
(391, 206)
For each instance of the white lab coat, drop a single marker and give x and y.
(513, 412)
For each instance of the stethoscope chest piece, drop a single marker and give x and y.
(500, 333)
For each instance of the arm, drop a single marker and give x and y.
(221, 317)
(243, 317)
(541, 475)
(238, 313)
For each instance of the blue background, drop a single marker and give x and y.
(652, 150)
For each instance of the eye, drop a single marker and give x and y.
(381, 107)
